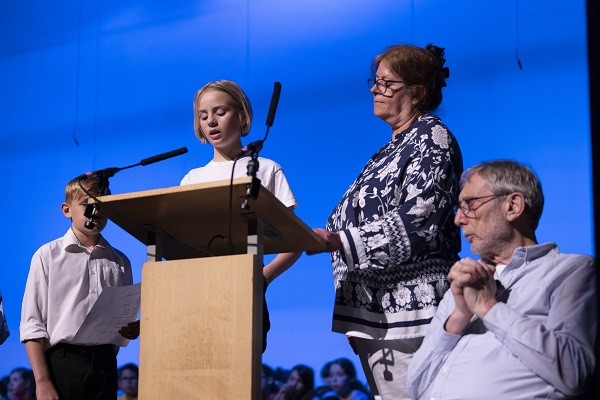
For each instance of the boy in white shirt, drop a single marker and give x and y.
(65, 279)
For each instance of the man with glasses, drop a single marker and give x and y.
(520, 322)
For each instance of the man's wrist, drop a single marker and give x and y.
(482, 310)
(457, 322)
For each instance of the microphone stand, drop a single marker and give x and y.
(253, 187)
(103, 175)
(253, 148)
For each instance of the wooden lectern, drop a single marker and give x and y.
(201, 311)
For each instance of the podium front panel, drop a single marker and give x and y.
(201, 328)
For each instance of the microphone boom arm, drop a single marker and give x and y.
(106, 173)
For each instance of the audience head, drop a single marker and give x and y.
(128, 376)
(325, 374)
(300, 384)
(268, 386)
(238, 101)
(342, 375)
(4, 386)
(421, 70)
(21, 384)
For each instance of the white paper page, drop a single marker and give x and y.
(115, 308)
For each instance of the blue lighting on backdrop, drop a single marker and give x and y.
(92, 84)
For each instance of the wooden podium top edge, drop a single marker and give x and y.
(172, 189)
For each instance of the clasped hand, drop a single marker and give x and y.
(473, 286)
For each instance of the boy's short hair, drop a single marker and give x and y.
(73, 190)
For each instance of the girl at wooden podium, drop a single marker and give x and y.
(222, 115)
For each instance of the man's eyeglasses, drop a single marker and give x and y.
(466, 206)
(382, 84)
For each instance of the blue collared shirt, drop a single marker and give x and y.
(539, 343)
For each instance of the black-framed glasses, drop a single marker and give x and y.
(382, 84)
(465, 205)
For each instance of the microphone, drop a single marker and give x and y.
(104, 174)
(110, 172)
(254, 147)
(274, 102)
(101, 173)
(163, 156)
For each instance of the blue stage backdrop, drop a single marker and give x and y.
(92, 84)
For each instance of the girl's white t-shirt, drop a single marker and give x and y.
(269, 172)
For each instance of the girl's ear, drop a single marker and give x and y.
(243, 123)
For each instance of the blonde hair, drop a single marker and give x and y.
(240, 103)
(74, 192)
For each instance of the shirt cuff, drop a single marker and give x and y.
(445, 341)
(499, 318)
(31, 330)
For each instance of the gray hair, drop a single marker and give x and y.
(508, 176)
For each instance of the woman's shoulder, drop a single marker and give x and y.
(429, 121)
(431, 131)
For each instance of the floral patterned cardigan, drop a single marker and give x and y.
(396, 224)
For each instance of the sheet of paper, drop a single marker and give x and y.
(115, 308)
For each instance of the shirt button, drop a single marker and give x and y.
(93, 272)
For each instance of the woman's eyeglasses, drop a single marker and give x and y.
(382, 84)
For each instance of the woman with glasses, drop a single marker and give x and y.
(392, 237)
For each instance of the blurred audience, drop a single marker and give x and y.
(325, 392)
(339, 383)
(269, 388)
(4, 387)
(128, 381)
(21, 385)
(299, 386)
(342, 379)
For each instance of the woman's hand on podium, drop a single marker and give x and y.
(332, 240)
